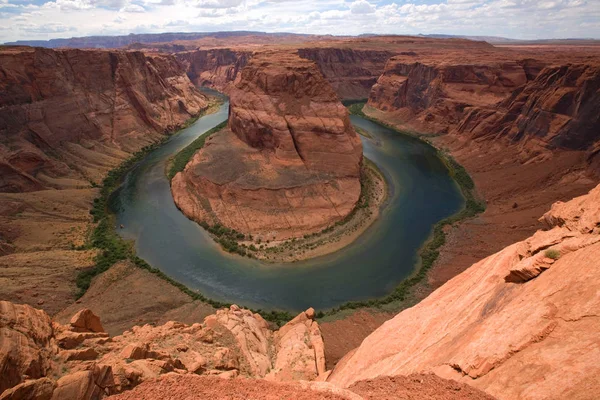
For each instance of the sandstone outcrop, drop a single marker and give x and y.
(44, 359)
(287, 165)
(69, 116)
(529, 340)
(26, 344)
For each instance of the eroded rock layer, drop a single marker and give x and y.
(69, 116)
(520, 324)
(287, 165)
(351, 72)
(433, 94)
(558, 109)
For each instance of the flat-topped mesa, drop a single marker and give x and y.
(287, 165)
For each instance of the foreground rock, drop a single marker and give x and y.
(43, 359)
(527, 338)
(287, 165)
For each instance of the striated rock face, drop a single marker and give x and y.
(536, 338)
(68, 116)
(289, 162)
(26, 344)
(216, 68)
(557, 109)
(89, 364)
(300, 348)
(433, 95)
(351, 72)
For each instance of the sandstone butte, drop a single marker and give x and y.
(289, 161)
(69, 116)
(520, 324)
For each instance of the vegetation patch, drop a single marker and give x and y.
(552, 253)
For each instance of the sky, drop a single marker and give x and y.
(520, 19)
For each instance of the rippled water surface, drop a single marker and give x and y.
(421, 194)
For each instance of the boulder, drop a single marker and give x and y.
(86, 321)
(38, 389)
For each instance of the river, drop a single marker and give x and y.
(421, 194)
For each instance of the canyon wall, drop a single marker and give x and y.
(432, 95)
(520, 324)
(527, 101)
(216, 68)
(351, 72)
(289, 162)
(558, 109)
(69, 116)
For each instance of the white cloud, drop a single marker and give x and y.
(133, 8)
(362, 7)
(509, 18)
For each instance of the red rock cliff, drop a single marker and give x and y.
(288, 165)
(556, 110)
(68, 116)
(432, 95)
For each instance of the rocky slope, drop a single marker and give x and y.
(80, 361)
(44, 360)
(287, 165)
(510, 324)
(68, 116)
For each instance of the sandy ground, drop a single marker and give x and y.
(413, 387)
(126, 296)
(38, 230)
(417, 387)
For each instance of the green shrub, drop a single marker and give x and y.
(552, 253)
